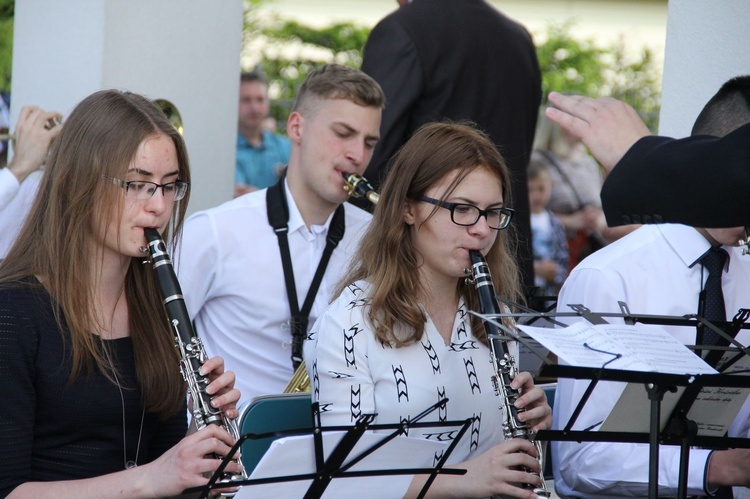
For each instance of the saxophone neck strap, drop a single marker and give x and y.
(278, 217)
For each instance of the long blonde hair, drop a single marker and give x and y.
(387, 257)
(100, 138)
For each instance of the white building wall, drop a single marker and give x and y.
(185, 51)
(708, 42)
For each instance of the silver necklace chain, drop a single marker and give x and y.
(128, 463)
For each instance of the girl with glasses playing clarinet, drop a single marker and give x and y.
(399, 338)
(93, 401)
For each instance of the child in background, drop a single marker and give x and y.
(547, 233)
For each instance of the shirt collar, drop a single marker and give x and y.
(295, 217)
(687, 243)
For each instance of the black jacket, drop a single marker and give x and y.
(700, 181)
(458, 60)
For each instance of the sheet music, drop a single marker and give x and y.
(713, 411)
(295, 455)
(642, 347)
(716, 407)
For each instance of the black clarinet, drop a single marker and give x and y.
(192, 353)
(503, 363)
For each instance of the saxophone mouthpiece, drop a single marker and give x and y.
(359, 187)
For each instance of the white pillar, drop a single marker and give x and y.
(184, 51)
(708, 42)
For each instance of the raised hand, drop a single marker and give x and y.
(33, 137)
(608, 127)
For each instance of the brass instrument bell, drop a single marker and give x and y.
(173, 115)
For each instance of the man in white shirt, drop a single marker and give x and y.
(19, 181)
(655, 270)
(230, 265)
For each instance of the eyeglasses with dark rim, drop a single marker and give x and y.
(143, 189)
(467, 214)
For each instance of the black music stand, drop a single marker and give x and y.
(681, 432)
(678, 430)
(340, 461)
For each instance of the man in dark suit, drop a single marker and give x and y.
(660, 179)
(458, 60)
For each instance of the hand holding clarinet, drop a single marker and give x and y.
(211, 389)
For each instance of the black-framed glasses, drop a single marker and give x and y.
(468, 214)
(143, 189)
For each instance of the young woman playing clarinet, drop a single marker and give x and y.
(399, 338)
(93, 403)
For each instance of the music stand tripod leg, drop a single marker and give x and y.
(684, 429)
(655, 395)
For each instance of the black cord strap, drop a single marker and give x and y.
(278, 218)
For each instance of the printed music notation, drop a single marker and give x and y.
(639, 347)
(646, 348)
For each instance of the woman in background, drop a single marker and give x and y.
(576, 183)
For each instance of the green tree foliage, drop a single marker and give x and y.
(571, 65)
(285, 51)
(568, 65)
(7, 8)
(341, 43)
(6, 43)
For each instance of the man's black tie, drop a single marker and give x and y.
(713, 261)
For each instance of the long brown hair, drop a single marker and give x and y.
(387, 257)
(100, 138)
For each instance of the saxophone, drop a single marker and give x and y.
(192, 353)
(503, 363)
(357, 187)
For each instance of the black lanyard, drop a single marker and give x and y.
(278, 217)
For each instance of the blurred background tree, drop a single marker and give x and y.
(571, 65)
(6, 43)
(286, 50)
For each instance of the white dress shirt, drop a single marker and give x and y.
(15, 203)
(9, 186)
(650, 270)
(230, 270)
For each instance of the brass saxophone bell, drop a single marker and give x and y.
(171, 112)
(300, 381)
